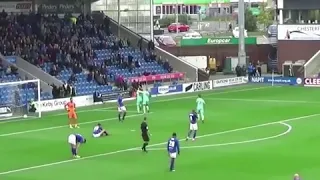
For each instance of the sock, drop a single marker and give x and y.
(119, 116)
(172, 164)
(202, 117)
(70, 125)
(144, 109)
(148, 108)
(194, 134)
(189, 134)
(74, 151)
(124, 115)
(138, 108)
(144, 146)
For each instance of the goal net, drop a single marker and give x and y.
(20, 99)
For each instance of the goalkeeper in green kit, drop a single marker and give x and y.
(200, 107)
(139, 100)
(145, 101)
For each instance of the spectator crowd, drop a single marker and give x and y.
(61, 43)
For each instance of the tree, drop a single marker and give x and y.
(250, 21)
(266, 15)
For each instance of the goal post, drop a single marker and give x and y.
(20, 99)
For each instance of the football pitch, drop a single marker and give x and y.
(250, 133)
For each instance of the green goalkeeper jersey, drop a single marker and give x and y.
(139, 96)
(200, 103)
(146, 96)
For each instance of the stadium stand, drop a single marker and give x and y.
(78, 52)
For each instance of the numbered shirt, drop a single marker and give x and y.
(193, 118)
(173, 145)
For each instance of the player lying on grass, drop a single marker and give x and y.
(98, 131)
(193, 120)
(75, 140)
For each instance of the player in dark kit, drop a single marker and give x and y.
(145, 134)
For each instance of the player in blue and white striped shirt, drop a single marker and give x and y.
(193, 119)
(173, 149)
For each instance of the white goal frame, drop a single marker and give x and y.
(26, 82)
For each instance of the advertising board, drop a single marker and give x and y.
(299, 32)
(58, 104)
(166, 89)
(16, 7)
(5, 111)
(312, 82)
(157, 77)
(197, 86)
(277, 80)
(229, 81)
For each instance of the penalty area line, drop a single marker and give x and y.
(152, 145)
(289, 129)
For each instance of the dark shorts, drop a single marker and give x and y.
(145, 137)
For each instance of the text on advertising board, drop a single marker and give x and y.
(16, 7)
(201, 86)
(197, 86)
(166, 89)
(315, 82)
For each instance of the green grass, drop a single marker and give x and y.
(38, 150)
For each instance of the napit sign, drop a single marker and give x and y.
(16, 7)
(277, 80)
(197, 86)
(58, 104)
(312, 82)
(230, 81)
(166, 89)
(299, 32)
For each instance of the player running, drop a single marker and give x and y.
(139, 100)
(173, 149)
(193, 118)
(72, 115)
(200, 107)
(98, 131)
(121, 109)
(145, 101)
(75, 140)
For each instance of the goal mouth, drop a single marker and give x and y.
(20, 100)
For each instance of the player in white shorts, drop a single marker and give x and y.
(75, 140)
(98, 131)
(193, 119)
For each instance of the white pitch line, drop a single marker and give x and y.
(57, 127)
(264, 100)
(236, 142)
(157, 101)
(163, 143)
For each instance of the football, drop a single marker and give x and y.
(25, 116)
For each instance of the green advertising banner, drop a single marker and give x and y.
(215, 41)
